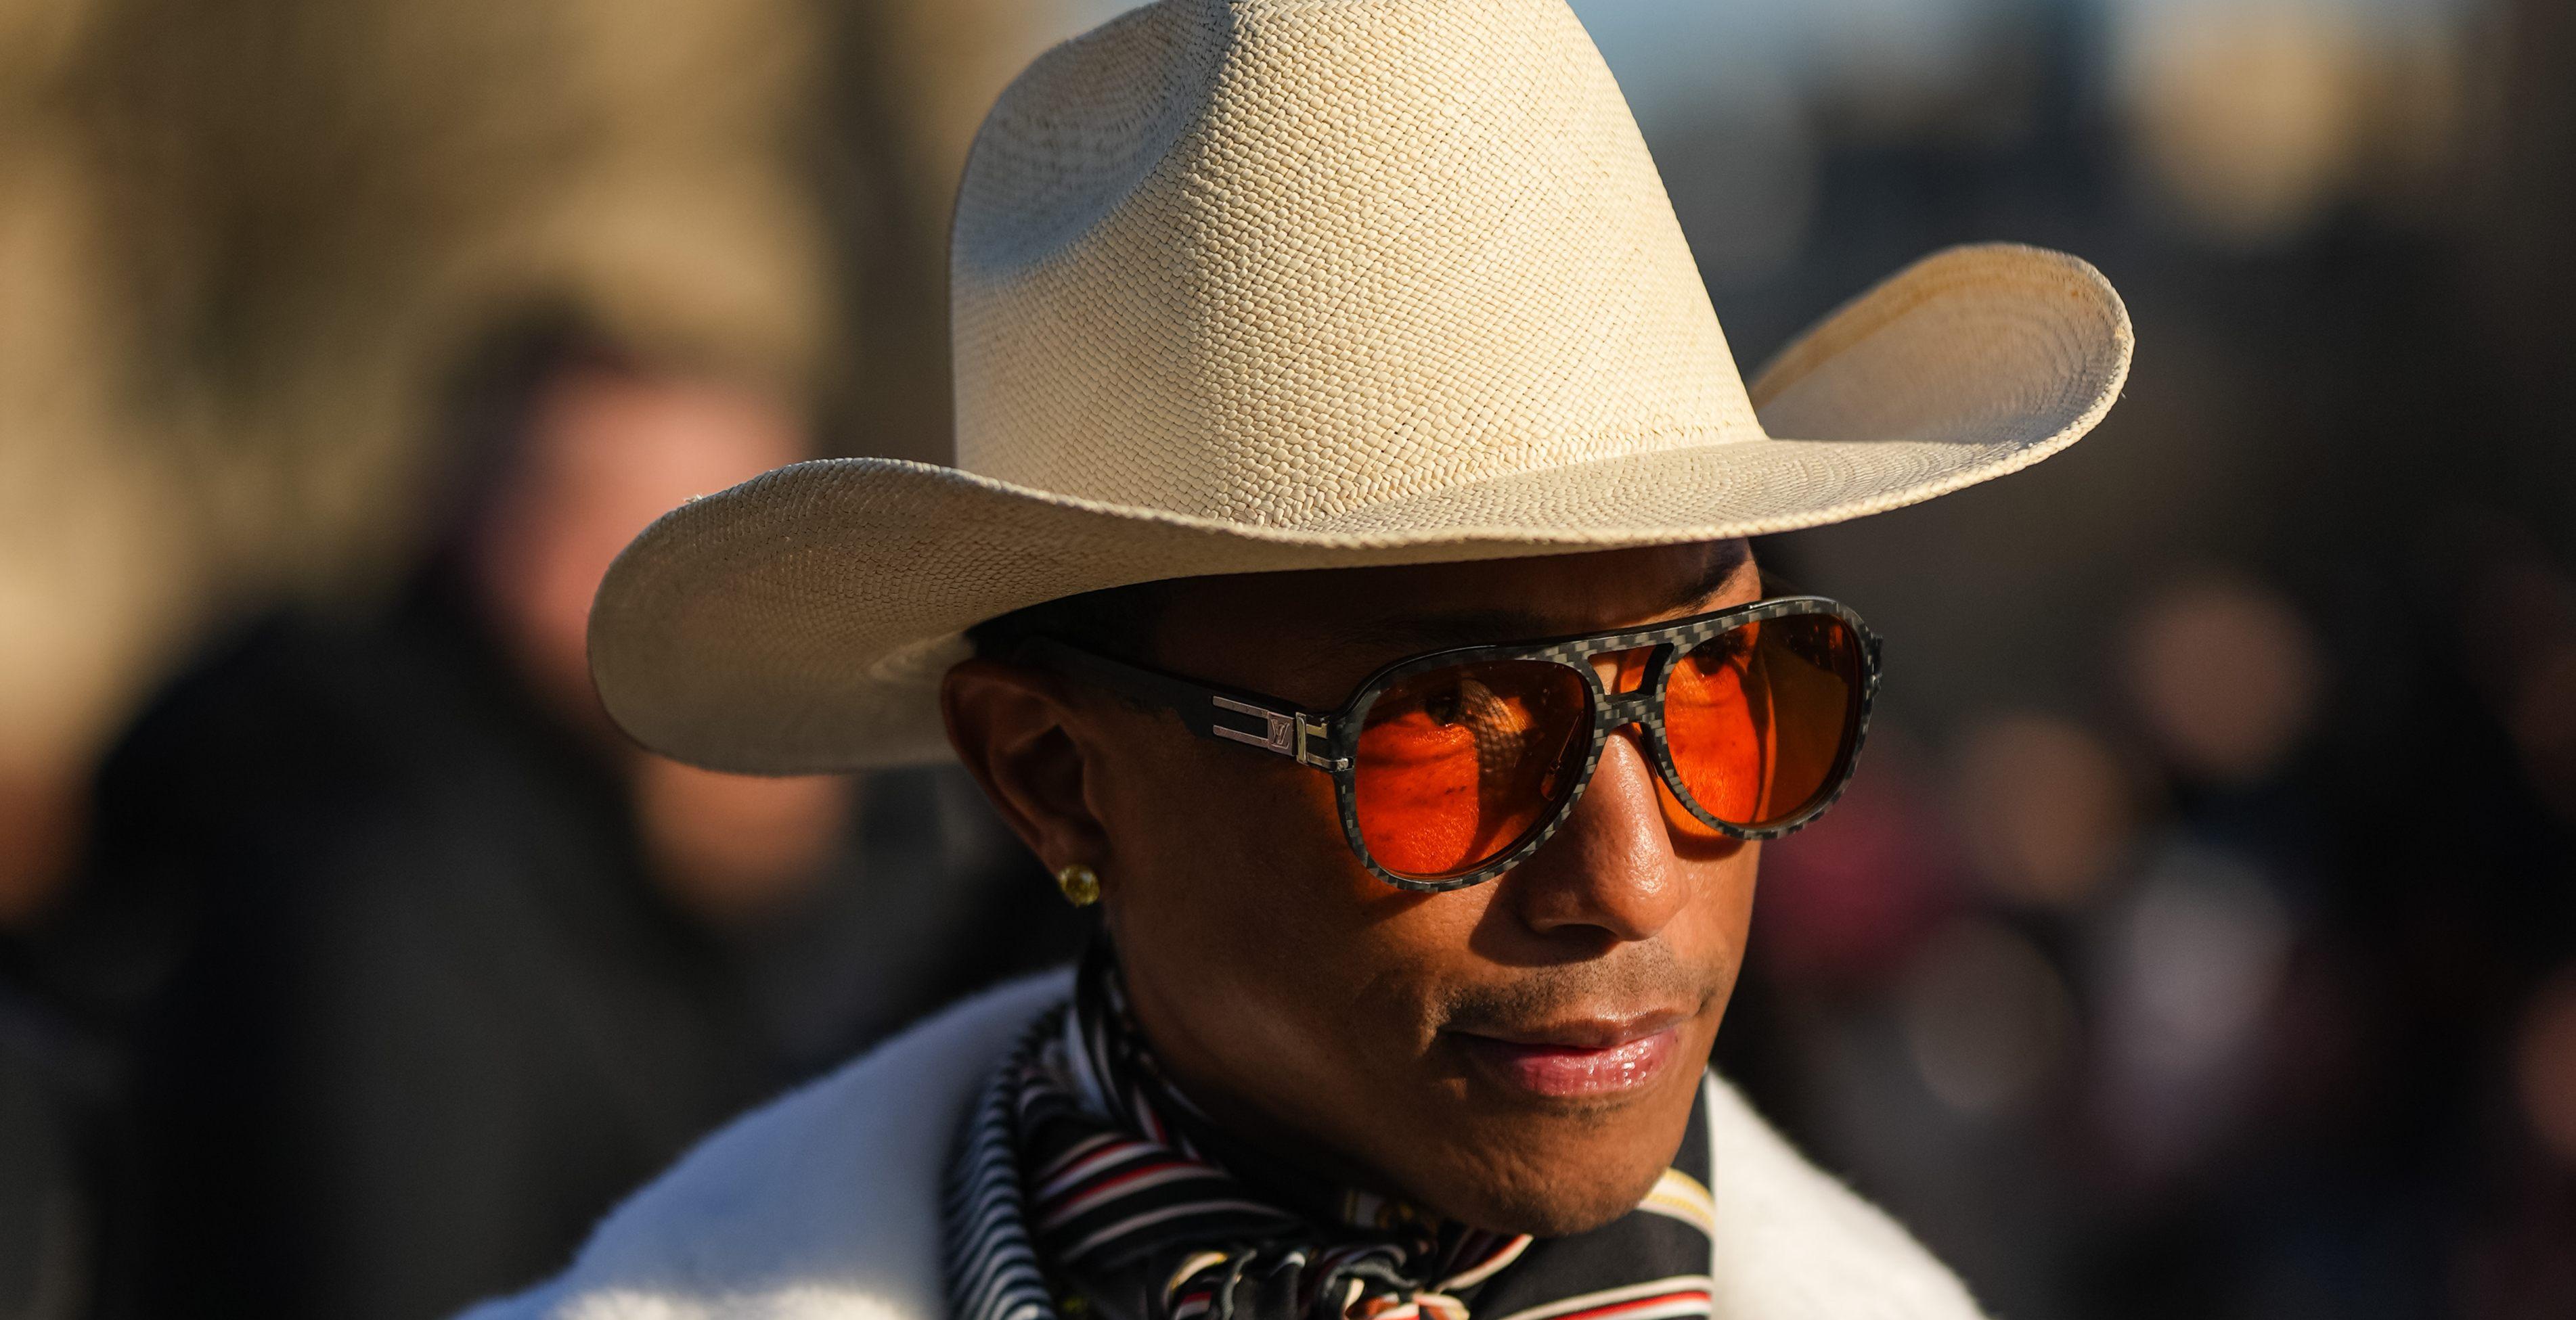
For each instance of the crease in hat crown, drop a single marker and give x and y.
(1274, 261)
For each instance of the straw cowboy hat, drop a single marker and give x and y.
(1244, 285)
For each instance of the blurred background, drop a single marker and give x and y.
(2200, 937)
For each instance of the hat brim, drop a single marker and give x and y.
(801, 621)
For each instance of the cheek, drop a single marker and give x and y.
(1207, 836)
(1722, 873)
(1249, 931)
(1721, 917)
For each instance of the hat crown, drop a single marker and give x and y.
(1277, 261)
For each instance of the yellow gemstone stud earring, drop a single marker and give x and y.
(1081, 884)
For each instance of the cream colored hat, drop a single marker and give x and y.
(1273, 284)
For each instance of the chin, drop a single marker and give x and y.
(1549, 1174)
(1508, 1161)
(1561, 1206)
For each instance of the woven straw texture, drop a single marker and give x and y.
(1247, 285)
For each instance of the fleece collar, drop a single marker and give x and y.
(825, 1205)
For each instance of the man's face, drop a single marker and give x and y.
(1521, 1054)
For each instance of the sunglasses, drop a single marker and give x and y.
(1453, 767)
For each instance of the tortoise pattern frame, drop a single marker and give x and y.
(1330, 741)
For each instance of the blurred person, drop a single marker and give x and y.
(243, 244)
(1350, 353)
(422, 963)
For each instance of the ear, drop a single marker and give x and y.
(1020, 738)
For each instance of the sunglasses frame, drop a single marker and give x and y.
(1329, 741)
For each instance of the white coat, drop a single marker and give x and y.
(825, 1205)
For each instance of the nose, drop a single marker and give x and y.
(1610, 870)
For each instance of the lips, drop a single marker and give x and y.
(1578, 1060)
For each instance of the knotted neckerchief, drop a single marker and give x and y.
(1087, 1186)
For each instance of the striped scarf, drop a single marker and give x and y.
(1087, 1188)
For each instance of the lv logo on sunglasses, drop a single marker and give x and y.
(1451, 768)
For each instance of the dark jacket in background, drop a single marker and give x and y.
(404, 1011)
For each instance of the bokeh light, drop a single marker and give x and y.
(1988, 1019)
(2192, 963)
(2544, 1066)
(2224, 674)
(2045, 806)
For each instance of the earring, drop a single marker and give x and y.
(1081, 884)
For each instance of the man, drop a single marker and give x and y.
(419, 966)
(1343, 586)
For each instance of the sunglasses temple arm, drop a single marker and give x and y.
(1247, 718)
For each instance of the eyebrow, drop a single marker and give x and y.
(1438, 631)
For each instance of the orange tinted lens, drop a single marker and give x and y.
(1456, 765)
(1761, 719)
